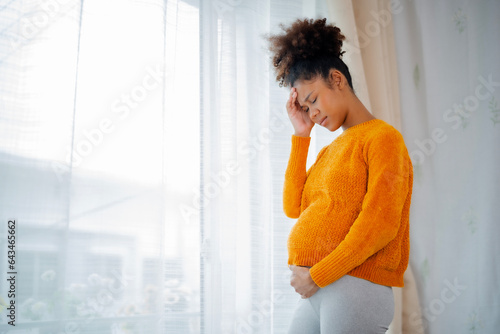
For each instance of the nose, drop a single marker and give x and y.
(313, 113)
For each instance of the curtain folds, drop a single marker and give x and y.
(376, 46)
(82, 160)
(448, 78)
(246, 141)
(371, 58)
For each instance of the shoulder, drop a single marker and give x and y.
(382, 128)
(384, 140)
(383, 133)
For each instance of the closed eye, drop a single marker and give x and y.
(306, 109)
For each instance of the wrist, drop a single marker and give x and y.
(302, 134)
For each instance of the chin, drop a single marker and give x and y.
(333, 128)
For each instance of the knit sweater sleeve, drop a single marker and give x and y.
(295, 176)
(380, 218)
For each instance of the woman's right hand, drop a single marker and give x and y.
(300, 119)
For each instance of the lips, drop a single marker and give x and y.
(322, 121)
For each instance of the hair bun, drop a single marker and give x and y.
(314, 38)
(305, 39)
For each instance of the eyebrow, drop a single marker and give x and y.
(307, 97)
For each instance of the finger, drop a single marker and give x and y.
(289, 103)
(297, 104)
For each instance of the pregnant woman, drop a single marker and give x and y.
(350, 243)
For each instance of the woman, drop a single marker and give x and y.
(350, 244)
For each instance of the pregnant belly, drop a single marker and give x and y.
(318, 233)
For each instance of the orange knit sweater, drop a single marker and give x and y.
(352, 205)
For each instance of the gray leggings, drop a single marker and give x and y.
(348, 305)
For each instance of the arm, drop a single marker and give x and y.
(296, 175)
(380, 217)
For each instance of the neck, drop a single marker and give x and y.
(356, 113)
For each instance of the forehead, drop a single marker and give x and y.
(305, 87)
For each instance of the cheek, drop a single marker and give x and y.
(337, 108)
(329, 108)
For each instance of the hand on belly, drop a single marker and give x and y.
(302, 281)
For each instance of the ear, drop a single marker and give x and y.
(337, 79)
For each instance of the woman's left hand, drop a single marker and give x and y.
(302, 281)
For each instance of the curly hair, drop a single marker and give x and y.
(306, 49)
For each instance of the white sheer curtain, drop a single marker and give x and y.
(449, 77)
(92, 160)
(246, 139)
(142, 153)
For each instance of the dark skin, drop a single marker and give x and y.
(312, 101)
(315, 102)
(302, 281)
